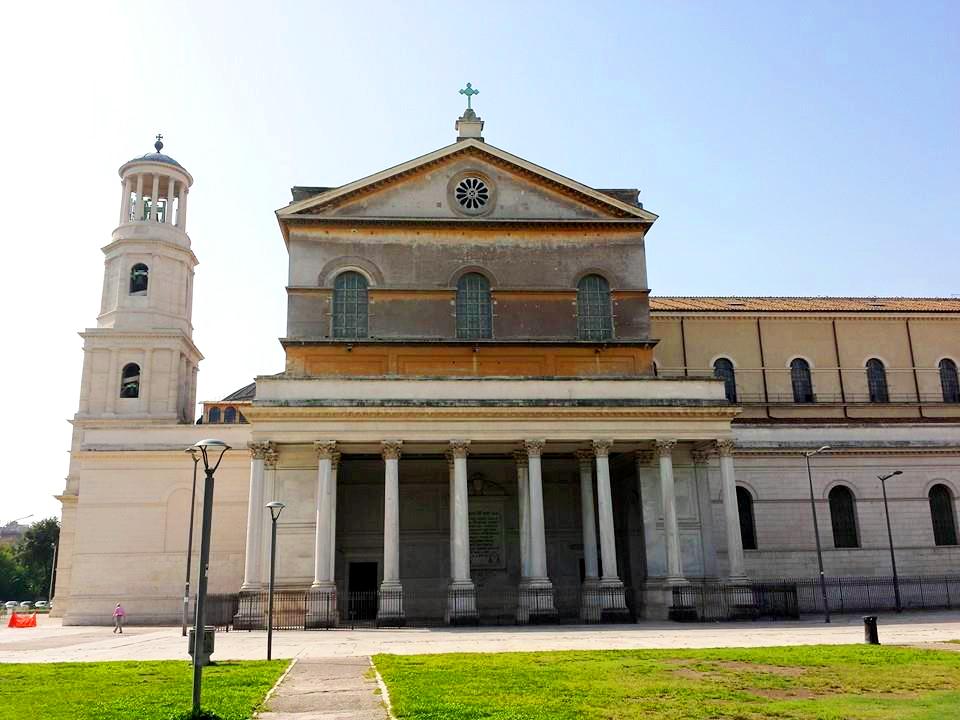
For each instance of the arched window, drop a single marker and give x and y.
(942, 515)
(130, 381)
(877, 381)
(949, 382)
(213, 417)
(230, 415)
(843, 518)
(594, 318)
(748, 528)
(723, 369)
(139, 276)
(473, 307)
(801, 381)
(350, 306)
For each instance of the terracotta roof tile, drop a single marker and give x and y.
(804, 304)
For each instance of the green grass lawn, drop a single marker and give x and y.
(821, 682)
(160, 690)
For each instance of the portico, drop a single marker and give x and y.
(544, 489)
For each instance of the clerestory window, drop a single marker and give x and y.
(474, 311)
(594, 316)
(350, 306)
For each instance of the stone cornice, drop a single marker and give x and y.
(495, 409)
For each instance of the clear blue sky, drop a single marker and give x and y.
(789, 148)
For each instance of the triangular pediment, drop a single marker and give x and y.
(437, 186)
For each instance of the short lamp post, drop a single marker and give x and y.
(893, 560)
(275, 508)
(208, 450)
(816, 532)
(193, 505)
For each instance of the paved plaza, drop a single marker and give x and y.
(51, 642)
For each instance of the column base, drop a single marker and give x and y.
(536, 604)
(390, 606)
(462, 603)
(251, 610)
(613, 602)
(322, 607)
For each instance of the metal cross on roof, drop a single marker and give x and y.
(159, 143)
(469, 92)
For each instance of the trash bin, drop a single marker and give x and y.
(209, 635)
(870, 635)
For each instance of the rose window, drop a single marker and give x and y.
(472, 193)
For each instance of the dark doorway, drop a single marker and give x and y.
(362, 590)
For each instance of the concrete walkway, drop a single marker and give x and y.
(52, 643)
(327, 689)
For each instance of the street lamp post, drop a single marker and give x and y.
(193, 506)
(207, 448)
(275, 507)
(53, 570)
(893, 560)
(816, 532)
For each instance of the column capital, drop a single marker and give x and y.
(272, 456)
(259, 450)
(459, 448)
(334, 460)
(643, 457)
(534, 448)
(390, 449)
(584, 456)
(601, 448)
(700, 455)
(325, 449)
(665, 448)
(726, 447)
(520, 458)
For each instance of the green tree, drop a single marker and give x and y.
(34, 553)
(13, 582)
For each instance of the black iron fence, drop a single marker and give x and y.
(312, 610)
(788, 598)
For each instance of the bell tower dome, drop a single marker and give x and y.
(140, 360)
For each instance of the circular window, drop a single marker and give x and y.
(472, 193)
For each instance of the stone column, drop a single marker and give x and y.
(461, 595)
(322, 600)
(590, 592)
(701, 476)
(125, 201)
(252, 568)
(154, 197)
(731, 512)
(146, 380)
(270, 461)
(611, 587)
(536, 599)
(334, 466)
(669, 500)
(451, 519)
(113, 383)
(523, 512)
(168, 211)
(138, 203)
(182, 208)
(390, 607)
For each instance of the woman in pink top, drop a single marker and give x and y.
(118, 615)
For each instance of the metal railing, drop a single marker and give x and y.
(791, 597)
(310, 610)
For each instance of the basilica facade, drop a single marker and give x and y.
(482, 401)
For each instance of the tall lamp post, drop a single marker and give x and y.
(53, 570)
(816, 531)
(275, 507)
(208, 449)
(193, 506)
(893, 560)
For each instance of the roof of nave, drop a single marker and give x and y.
(247, 392)
(697, 303)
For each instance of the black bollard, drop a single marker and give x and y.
(870, 635)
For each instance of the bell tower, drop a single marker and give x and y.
(140, 361)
